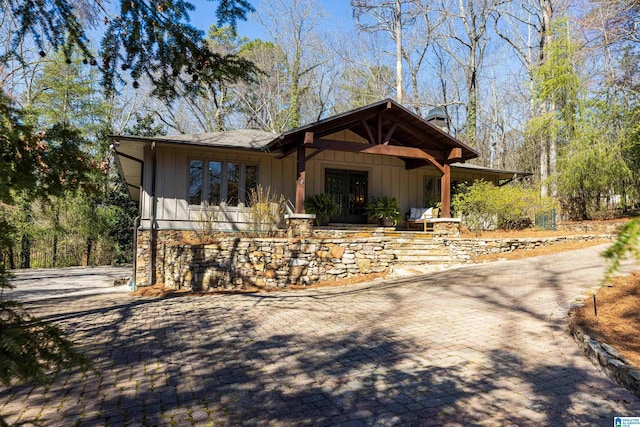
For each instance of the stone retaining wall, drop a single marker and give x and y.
(614, 364)
(467, 249)
(593, 227)
(236, 263)
(232, 262)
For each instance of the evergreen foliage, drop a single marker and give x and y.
(592, 165)
(52, 155)
(145, 39)
(627, 244)
(323, 206)
(30, 349)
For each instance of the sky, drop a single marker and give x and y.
(339, 12)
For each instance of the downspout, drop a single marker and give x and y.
(152, 240)
(136, 224)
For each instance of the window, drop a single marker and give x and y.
(431, 189)
(228, 182)
(215, 182)
(233, 183)
(195, 182)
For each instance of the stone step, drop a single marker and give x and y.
(421, 252)
(418, 248)
(425, 260)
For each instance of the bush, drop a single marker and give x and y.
(323, 206)
(484, 206)
(267, 209)
(383, 208)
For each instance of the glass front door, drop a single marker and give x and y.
(349, 189)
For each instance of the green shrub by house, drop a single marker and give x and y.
(484, 206)
(323, 206)
(384, 209)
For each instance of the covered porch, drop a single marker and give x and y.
(384, 129)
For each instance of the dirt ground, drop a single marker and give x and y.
(542, 250)
(618, 319)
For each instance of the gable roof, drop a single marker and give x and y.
(250, 139)
(376, 121)
(383, 120)
(129, 150)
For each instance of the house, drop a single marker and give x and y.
(380, 149)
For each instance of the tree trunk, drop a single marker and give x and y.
(294, 94)
(544, 168)
(472, 106)
(87, 260)
(398, 36)
(582, 204)
(548, 149)
(12, 261)
(54, 249)
(25, 251)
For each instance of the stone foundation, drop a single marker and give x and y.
(446, 227)
(237, 263)
(230, 261)
(300, 225)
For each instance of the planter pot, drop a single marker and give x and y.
(322, 221)
(387, 222)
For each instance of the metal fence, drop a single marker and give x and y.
(546, 221)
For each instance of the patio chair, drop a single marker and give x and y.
(424, 216)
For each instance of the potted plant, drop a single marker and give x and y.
(323, 206)
(385, 209)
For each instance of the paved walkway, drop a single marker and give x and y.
(52, 283)
(485, 345)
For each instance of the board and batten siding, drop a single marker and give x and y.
(387, 176)
(172, 182)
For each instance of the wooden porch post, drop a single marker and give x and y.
(445, 191)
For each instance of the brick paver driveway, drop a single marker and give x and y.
(483, 345)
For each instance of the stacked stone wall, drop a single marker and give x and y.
(238, 263)
(467, 249)
(592, 227)
(233, 262)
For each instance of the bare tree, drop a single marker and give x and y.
(321, 98)
(365, 76)
(465, 41)
(293, 25)
(531, 18)
(392, 17)
(446, 90)
(263, 104)
(417, 44)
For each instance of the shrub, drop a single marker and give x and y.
(383, 208)
(484, 206)
(267, 209)
(207, 222)
(323, 206)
